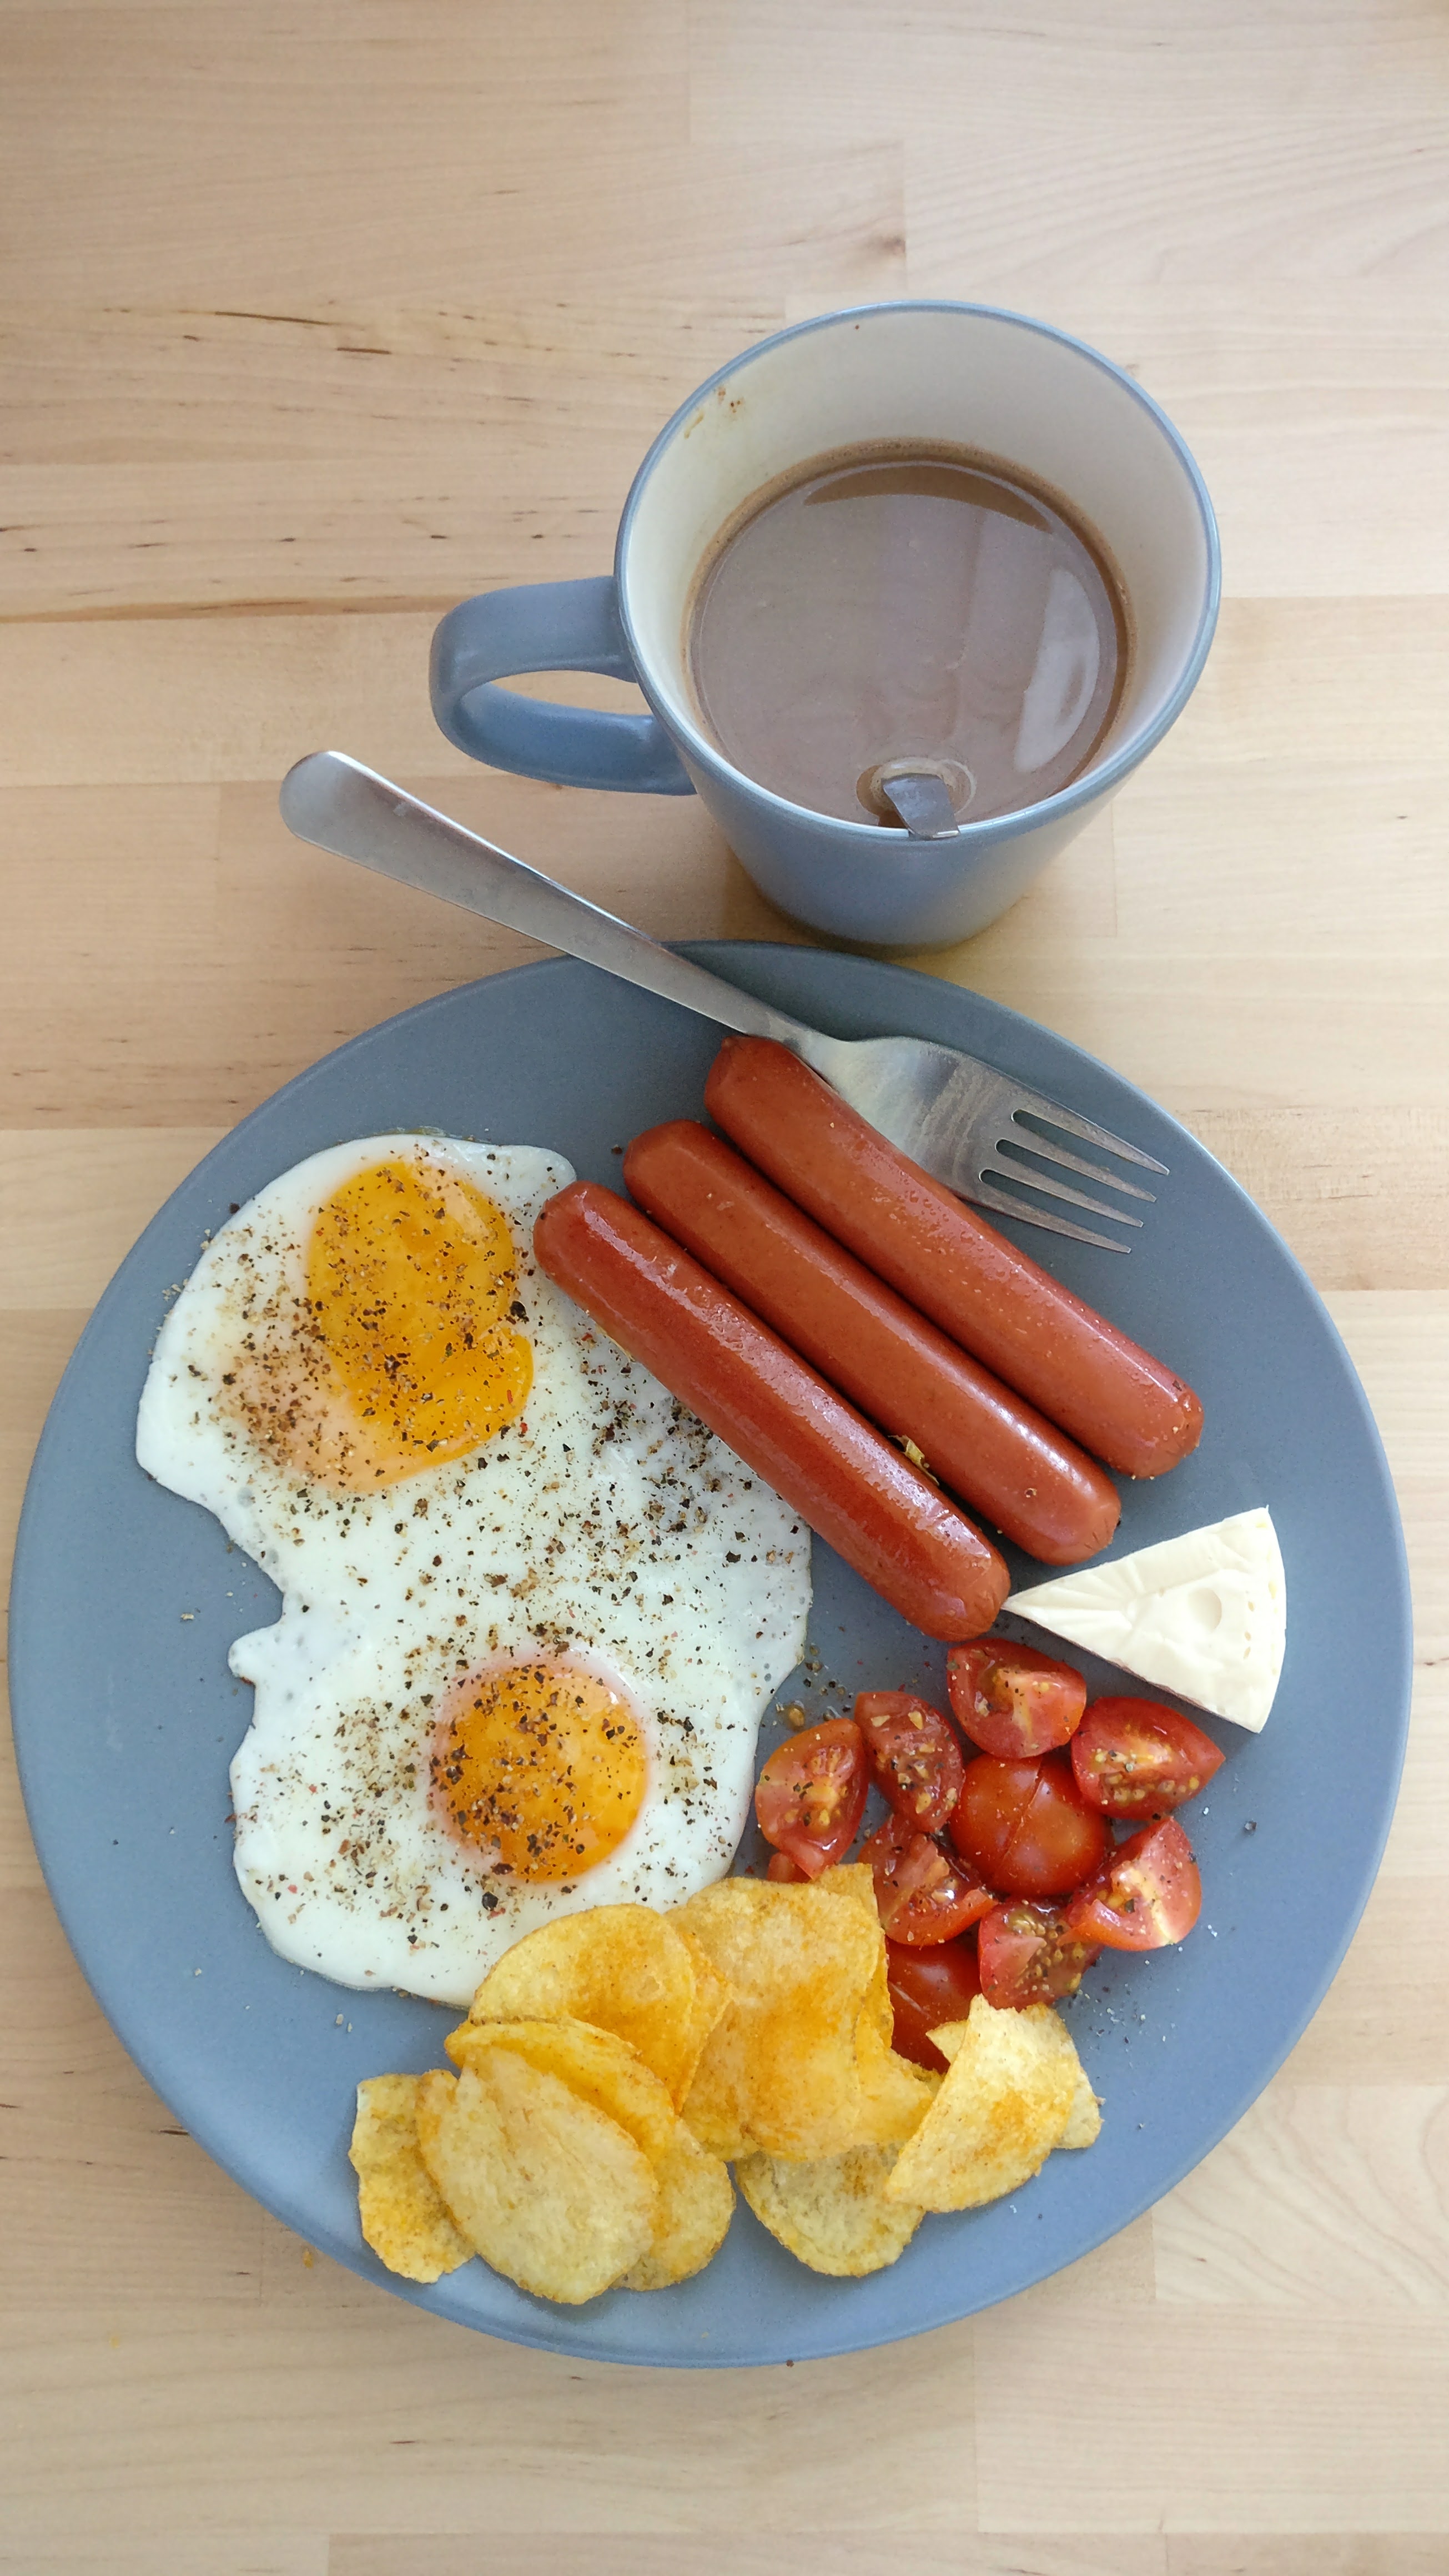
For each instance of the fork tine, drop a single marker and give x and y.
(1030, 1180)
(981, 1193)
(1028, 1141)
(1053, 1115)
(952, 1111)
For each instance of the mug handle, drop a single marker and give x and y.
(547, 626)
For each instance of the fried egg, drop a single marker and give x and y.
(532, 1611)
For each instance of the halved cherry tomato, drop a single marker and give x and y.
(1026, 1955)
(924, 1893)
(916, 1753)
(1149, 1893)
(994, 1798)
(928, 1987)
(811, 1794)
(784, 1871)
(1133, 1757)
(1011, 1700)
(1027, 1827)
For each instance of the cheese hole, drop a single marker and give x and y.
(1203, 1607)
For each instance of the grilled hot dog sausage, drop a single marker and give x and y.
(880, 1513)
(990, 1447)
(1071, 1363)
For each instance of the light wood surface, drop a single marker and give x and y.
(317, 319)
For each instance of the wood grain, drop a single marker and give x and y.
(1326, 2196)
(314, 322)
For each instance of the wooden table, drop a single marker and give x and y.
(318, 319)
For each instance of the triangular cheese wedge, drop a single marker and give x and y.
(1203, 1615)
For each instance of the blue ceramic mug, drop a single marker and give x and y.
(945, 374)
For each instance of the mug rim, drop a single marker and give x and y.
(1093, 783)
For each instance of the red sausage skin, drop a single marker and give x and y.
(1019, 1322)
(988, 1446)
(886, 1519)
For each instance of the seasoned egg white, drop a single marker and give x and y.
(532, 1611)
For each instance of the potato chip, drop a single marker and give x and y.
(561, 2153)
(696, 2197)
(402, 2213)
(551, 2191)
(696, 2204)
(779, 2071)
(877, 2008)
(622, 1967)
(894, 2095)
(833, 2214)
(948, 2037)
(594, 2064)
(713, 1995)
(1002, 2107)
(434, 2097)
(855, 1881)
(1084, 2120)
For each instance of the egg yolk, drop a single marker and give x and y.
(542, 1764)
(407, 1351)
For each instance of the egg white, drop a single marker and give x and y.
(607, 1526)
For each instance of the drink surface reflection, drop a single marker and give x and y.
(890, 604)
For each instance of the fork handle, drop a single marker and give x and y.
(336, 803)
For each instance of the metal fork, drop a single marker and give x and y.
(969, 1125)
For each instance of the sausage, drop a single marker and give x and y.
(880, 1513)
(989, 1446)
(1011, 1315)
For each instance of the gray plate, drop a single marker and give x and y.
(126, 1599)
